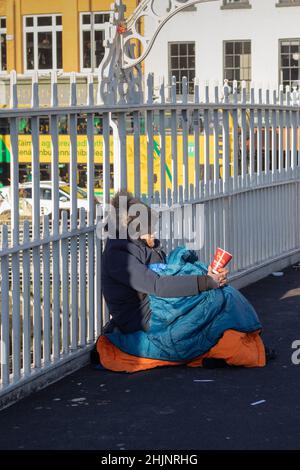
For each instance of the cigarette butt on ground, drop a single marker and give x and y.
(260, 402)
(196, 380)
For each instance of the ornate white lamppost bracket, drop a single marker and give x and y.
(120, 77)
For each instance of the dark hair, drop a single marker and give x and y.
(124, 219)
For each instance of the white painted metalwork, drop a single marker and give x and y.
(243, 174)
(126, 47)
(244, 171)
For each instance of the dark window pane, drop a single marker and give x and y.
(100, 18)
(99, 48)
(295, 59)
(285, 60)
(247, 47)
(183, 62)
(86, 49)
(191, 49)
(229, 61)
(44, 21)
(238, 48)
(58, 20)
(29, 21)
(285, 48)
(191, 62)
(229, 74)
(183, 49)
(29, 51)
(59, 49)
(286, 74)
(229, 48)
(294, 74)
(3, 23)
(237, 61)
(3, 52)
(174, 50)
(174, 62)
(45, 51)
(86, 19)
(294, 47)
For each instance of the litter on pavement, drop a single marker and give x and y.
(258, 402)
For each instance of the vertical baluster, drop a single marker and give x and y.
(150, 146)
(91, 212)
(174, 142)
(36, 254)
(65, 284)
(226, 141)
(106, 159)
(267, 135)
(216, 143)
(14, 176)
(185, 143)
(295, 132)
(55, 222)
(196, 118)
(244, 169)
(46, 291)
(98, 290)
(4, 320)
(252, 148)
(137, 153)
(162, 131)
(235, 163)
(259, 137)
(280, 134)
(206, 142)
(274, 136)
(287, 162)
(74, 217)
(82, 278)
(123, 150)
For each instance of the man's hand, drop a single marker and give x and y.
(221, 277)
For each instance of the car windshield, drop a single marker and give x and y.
(81, 194)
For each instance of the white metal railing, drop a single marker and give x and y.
(238, 157)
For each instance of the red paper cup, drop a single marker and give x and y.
(221, 259)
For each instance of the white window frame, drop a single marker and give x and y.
(35, 29)
(87, 27)
(170, 68)
(3, 31)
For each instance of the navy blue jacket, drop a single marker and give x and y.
(127, 281)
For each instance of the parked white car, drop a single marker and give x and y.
(25, 193)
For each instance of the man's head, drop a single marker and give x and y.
(134, 218)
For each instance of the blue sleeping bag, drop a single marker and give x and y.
(183, 328)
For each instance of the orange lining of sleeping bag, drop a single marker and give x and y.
(238, 349)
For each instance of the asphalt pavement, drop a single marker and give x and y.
(176, 407)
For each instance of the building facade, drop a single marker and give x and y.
(63, 35)
(251, 40)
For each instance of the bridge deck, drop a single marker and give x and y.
(166, 409)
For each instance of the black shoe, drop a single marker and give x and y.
(94, 356)
(270, 354)
(211, 363)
